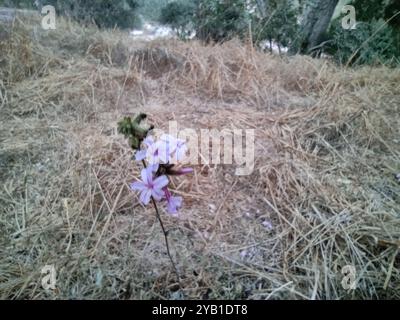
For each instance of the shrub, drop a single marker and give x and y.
(221, 20)
(23, 4)
(179, 16)
(278, 25)
(151, 9)
(104, 13)
(370, 43)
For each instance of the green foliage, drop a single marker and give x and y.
(213, 20)
(367, 10)
(220, 20)
(279, 24)
(150, 10)
(370, 43)
(22, 4)
(179, 16)
(133, 130)
(104, 13)
(392, 12)
(374, 40)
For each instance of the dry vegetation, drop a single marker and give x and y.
(327, 150)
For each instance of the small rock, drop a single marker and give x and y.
(267, 225)
(206, 235)
(243, 254)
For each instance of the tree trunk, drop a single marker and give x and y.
(316, 18)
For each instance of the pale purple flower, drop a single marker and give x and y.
(174, 203)
(169, 144)
(148, 141)
(169, 140)
(150, 187)
(154, 167)
(158, 153)
(166, 150)
(176, 147)
(180, 150)
(142, 154)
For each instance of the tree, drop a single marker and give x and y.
(220, 20)
(151, 9)
(104, 13)
(392, 11)
(277, 22)
(179, 16)
(376, 39)
(23, 4)
(389, 10)
(316, 19)
(372, 42)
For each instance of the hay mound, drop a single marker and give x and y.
(323, 194)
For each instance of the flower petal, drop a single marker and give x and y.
(164, 151)
(145, 196)
(152, 154)
(140, 155)
(167, 193)
(181, 152)
(160, 182)
(154, 167)
(148, 141)
(169, 139)
(157, 194)
(138, 186)
(147, 175)
(174, 204)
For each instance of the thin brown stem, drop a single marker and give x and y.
(165, 237)
(165, 234)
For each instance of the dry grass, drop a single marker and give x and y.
(327, 149)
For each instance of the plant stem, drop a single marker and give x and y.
(165, 234)
(165, 237)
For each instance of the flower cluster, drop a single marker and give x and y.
(161, 155)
